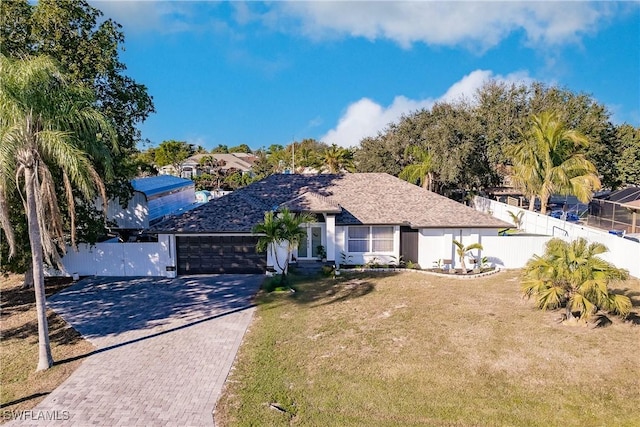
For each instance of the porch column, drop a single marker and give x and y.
(331, 237)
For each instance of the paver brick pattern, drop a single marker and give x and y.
(164, 350)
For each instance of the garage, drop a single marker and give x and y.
(219, 254)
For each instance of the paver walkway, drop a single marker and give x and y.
(165, 348)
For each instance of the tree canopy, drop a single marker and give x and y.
(49, 129)
(470, 140)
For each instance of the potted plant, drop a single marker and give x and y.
(322, 253)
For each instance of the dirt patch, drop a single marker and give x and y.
(22, 387)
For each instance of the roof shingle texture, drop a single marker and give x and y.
(364, 198)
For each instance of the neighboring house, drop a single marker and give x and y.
(360, 217)
(191, 167)
(153, 198)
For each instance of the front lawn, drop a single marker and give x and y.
(21, 387)
(410, 349)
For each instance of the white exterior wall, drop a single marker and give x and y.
(122, 259)
(330, 222)
(280, 252)
(135, 215)
(622, 253)
(435, 244)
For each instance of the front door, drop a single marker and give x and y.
(308, 247)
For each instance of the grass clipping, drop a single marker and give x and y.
(22, 388)
(409, 349)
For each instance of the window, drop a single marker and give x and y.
(358, 239)
(382, 239)
(370, 239)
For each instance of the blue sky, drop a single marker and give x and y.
(270, 73)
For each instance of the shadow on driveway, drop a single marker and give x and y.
(108, 311)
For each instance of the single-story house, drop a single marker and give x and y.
(359, 217)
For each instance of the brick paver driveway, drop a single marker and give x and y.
(165, 347)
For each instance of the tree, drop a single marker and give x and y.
(48, 127)
(278, 230)
(571, 275)
(422, 170)
(337, 159)
(87, 47)
(550, 161)
(220, 149)
(463, 251)
(516, 218)
(628, 159)
(242, 148)
(173, 153)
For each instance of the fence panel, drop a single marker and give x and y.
(623, 253)
(118, 259)
(512, 251)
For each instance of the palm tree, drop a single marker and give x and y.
(549, 161)
(48, 128)
(337, 159)
(463, 250)
(516, 218)
(281, 230)
(571, 275)
(420, 171)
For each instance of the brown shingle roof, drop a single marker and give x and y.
(364, 198)
(312, 202)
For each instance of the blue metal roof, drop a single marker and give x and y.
(155, 185)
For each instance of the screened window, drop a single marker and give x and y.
(358, 239)
(382, 239)
(370, 239)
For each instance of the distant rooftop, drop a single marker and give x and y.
(153, 185)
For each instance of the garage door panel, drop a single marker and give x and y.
(218, 254)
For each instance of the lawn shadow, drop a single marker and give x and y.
(324, 291)
(60, 332)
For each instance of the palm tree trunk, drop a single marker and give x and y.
(28, 278)
(45, 360)
(532, 203)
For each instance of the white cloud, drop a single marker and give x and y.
(366, 118)
(160, 16)
(479, 24)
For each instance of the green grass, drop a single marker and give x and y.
(409, 349)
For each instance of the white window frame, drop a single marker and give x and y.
(370, 239)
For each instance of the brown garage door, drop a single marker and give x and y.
(219, 254)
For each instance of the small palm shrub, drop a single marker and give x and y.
(571, 275)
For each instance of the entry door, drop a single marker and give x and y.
(308, 247)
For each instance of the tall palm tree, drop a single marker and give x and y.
(463, 250)
(422, 170)
(337, 159)
(571, 275)
(278, 230)
(49, 134)
(549, 161)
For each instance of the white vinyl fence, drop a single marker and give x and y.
(623, 253)
(119, 259)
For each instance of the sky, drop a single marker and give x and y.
(262, 73)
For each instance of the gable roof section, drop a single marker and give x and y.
(358, 198)
(311, 202)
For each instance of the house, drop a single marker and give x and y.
(359, 217)
(192, 166)
(153, 198)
